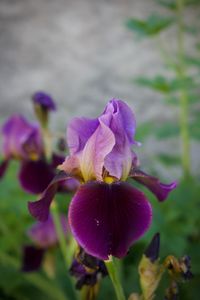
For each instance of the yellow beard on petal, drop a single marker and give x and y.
(109, 179)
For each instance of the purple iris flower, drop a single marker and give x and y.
(106, 215)
(22, 140)
(44, 237)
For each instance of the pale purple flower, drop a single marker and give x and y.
(21, 139)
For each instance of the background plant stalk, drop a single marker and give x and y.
(181, 74)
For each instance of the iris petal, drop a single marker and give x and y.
(120, 119)
(32, 258)
(78, 132)
(106, 219)
(95, 151)
(34, 176)
(161, 190)
(122, 116)
(40, 209)
(44, 234)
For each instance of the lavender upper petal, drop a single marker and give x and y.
(106, 219)
(123, 116)
(120, 119)
(96, 149)
(78, 133)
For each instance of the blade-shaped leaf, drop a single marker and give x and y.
(167, 130)
(174, 100)
(153, 25)
(193, 61)
(164, 85)
(195, 128)
(170, 4)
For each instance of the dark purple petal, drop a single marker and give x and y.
(106, 219)
(32, 258)
(3, 167)
(77, 270)
(160, 189)
(34, 176)
(40, 209)
(88, 270)
(68, 186)
(152, 251)
(78, 133)
(44, 234)
(45, 100)
(57, 160)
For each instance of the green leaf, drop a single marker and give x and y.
(198, 46)
(191, 29)
(191, 2)
(162, 84)
(158, 83)
(168, 160)
(173, 100)
(166, 130)
(193, 61)
(144, 130)
(167, 4)
(153, 25)
(160, 131)
(195, 128)
(172, 5)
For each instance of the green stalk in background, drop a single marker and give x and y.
(184, 105)
(65, 249)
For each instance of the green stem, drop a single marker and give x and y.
(60, 234)
(181, 74)
(114, 276)
(65, 250)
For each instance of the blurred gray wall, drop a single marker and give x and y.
(82, 54)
